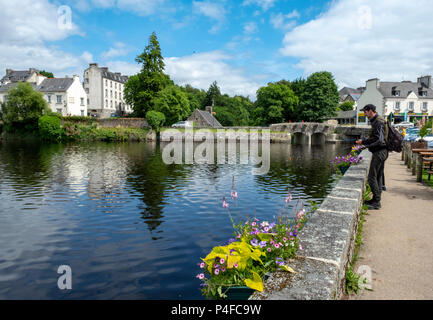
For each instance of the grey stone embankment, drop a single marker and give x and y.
(328, 241)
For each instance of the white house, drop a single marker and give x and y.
(406, 100)
(105, 91)
(65, 95)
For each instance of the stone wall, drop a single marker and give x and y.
(328, 241)
(123, 123)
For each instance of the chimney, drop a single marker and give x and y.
(76, 77)
(425, 81)
(372, 83)
(32, 70)
(8, 71)
(209, 109)
(93, 65)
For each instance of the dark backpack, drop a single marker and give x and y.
(394, 142)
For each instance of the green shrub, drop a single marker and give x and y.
(49, 128)
(155, 119)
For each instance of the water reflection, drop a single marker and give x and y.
(129, 225)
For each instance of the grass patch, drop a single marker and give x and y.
(425, 178)
(352, 278)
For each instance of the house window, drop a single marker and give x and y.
(397, 105)
(59, 110)
(106, 92)
(106, 103)
(115, 94)
(396, 93)
(59, 99)
(49, 98)
(86, 80)
(423, 93)
(87, 90)
(82, 112)
(424, 106)
(411, 106)
(111, 84)
(82, 101)
(115, 85)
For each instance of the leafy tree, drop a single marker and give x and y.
(155, 119)
(320, 97)
(195, 96)
(23, 107)
(49, 127)
(213, 94)
(46, 74)
(346, 106)
(142, 88)
(275, 103)
(173, 103)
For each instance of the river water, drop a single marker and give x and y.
(129, 225)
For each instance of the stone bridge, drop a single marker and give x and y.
(319, 133)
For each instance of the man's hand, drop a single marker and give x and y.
(358, 141)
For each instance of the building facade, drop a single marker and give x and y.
(105, 92)
(65, 95)
(406, 100)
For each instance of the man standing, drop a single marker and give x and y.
(376, 144)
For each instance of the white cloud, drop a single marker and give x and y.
(213, 10)
(361, 39)
(27, 28)
(119, 49)
(250, 27)
(201, 69)
(283, 22)
(124, 67)
(264, 4)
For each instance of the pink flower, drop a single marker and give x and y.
(300, 214)
(217, 271)
(234, 194)
(284, 239)
(253, 224)
(289, 198)
(300, 247)
(269, 249)
(222, 261)
(223, 269)
(235, 265)
(276, 245)
(200, 276)
(266, 229)
(225, 204)
(238, 236)
(202, 265)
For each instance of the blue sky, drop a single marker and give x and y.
(241, 44)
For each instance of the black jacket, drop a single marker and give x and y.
(377, 139)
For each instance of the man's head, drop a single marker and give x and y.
(369, 111)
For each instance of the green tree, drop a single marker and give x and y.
(23, 107)
(213, 95)
(155, 119)
(141, 89)
(46, 74)
(346, 106)
(173, 103)
(195, 96)
(319, 100)
(275, 103)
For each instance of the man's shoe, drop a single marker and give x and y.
(383, 188)
(373, 206)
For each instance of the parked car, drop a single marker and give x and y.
(181, 124)
(404, 124)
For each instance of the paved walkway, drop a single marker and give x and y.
(398, 239)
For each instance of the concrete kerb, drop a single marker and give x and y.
(328, 241)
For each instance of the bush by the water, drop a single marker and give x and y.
(155, 119)
(75, 131)
(49, 128)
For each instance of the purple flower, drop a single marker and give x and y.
(262, 244)
(279, 261)
(254, 242)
